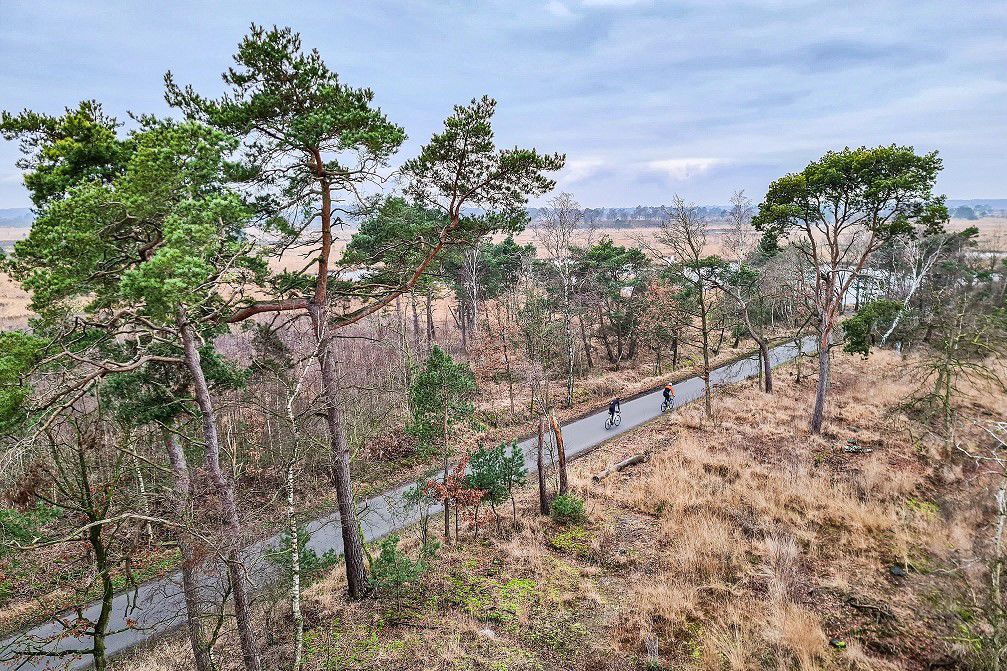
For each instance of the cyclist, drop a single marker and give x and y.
(613, 408)
(669, 394)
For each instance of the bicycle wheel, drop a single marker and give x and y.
(608, 423)
(618, 419)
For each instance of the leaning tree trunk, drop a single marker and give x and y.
(190, 581)
(353, 546)
(543, 493)
(225, 493)
(560, 453)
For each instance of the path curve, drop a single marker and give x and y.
(157, 608)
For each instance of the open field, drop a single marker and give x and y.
(14, 302)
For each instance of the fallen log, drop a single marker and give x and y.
(625, 463)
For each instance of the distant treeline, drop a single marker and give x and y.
(652, 215)
(628, 217)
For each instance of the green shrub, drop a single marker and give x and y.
(393, 569)
(24, 527)
(311, 564)
(568, 509)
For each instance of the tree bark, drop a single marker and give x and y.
(416, 324)
(705, 326)
(186, 544)
(767, 368)
(818, 415)
(560, 453)
(615, 468)
(543, 494)
(353, 547)
(225, 492)
(506, 356)
(101, 561)
(569, 370)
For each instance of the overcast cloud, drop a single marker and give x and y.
(647, 99)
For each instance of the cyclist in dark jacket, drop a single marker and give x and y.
(669, 393)
(613, 408)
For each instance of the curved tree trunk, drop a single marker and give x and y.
(560, 453)
(225, 493)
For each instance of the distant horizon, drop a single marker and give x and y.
(954, 202)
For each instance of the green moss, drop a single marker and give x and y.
(924, 508)
(556, 629)
(694, 643)
(574, 541)
(356, 648)
(488, 599)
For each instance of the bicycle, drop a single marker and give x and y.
(613, 420)
(667, 404)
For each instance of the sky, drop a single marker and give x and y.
(647, 99)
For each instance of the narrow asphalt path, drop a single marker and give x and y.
(156, 608)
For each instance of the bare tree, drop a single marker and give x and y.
(560, 221)
(741, 281)
(683, 233)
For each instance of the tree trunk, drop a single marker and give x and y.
(705, 326)
(186, 544)
(353, 547)
(225, 493)
(569, 367)
(295, 562)
(560, 453)
(818, 415)
(101, 562)
(543, 494)
(767, 368)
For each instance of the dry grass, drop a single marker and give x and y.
(743, 543)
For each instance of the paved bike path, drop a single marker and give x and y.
(158, 607)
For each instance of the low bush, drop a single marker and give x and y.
(393, 569)
(568, 509)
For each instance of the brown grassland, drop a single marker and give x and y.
(741, 543)
(14, 302)
(14, 311)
